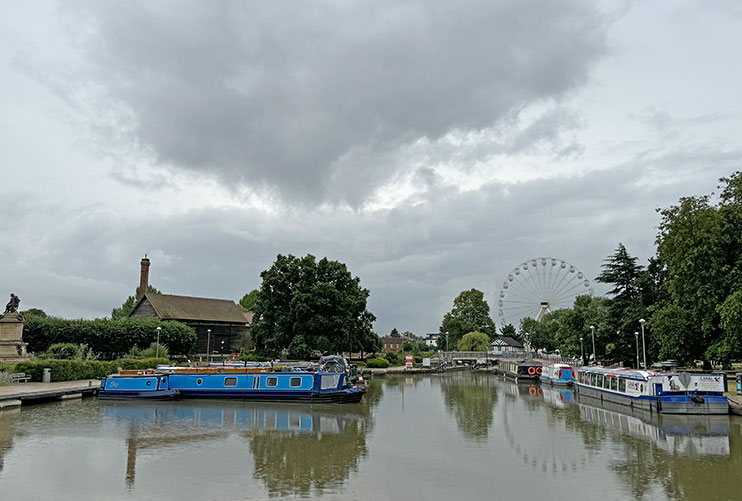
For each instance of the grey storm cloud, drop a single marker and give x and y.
(311, 100)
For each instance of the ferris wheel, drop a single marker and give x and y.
(539, 286)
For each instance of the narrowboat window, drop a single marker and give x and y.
(199, 381)
(330, 381)
(622, 385)
(614, 383)
(641, 388)
(230, 381)
(149, 383)
(294, 382)
(271, 382)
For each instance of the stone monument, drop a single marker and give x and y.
(12, 347)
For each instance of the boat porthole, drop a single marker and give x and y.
(149, 383)
(199, 381)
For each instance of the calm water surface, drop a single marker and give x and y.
(458, 436)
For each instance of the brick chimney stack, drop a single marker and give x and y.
(143, 278)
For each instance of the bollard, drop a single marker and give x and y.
(47, 376)
(739, 383)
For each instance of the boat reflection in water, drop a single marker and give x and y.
(682, 435)
(293, 434)
(558, 396)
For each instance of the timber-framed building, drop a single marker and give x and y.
(220, 324)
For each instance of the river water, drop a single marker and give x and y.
(456, 436)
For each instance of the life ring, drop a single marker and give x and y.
(532, 391)
(538, 370)
(531, 371)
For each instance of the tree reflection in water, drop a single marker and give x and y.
(302, 463)
(471, 399)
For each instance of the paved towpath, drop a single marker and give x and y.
(35, 391)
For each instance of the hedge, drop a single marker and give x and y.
(377, 363)
(67, 370)
(109, 339)
(71, 370)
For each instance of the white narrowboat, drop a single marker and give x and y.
(664, 393)
(561, 374)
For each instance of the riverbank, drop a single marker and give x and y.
(367, 371)
(29, 393)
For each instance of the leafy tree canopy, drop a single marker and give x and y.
(34, 312)
(474, 341)
(307, 305)
(470, 313)
(510, 331)
(250, 300)
(699, 246)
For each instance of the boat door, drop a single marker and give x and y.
(658, 389)
(162, 383)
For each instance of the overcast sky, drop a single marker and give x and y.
(431, 146)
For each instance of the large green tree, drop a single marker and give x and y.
(699, 247)
(307, 305)
(470, 313)
(627, 304)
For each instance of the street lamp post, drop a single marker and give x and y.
(637, 349)
(592, 331)
(644, 346)
(208, 345)
(582, 351)
(157, 350)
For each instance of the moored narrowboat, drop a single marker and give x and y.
(665, 393)
(269, 386)
(521, 370)
(560, 374)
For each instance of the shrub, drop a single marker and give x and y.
(377, 363)
(108, 338)
(155, 351)
(393, 358)
(418, 359)
(253, 357)
(64, 351)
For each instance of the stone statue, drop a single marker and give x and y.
(12, 306)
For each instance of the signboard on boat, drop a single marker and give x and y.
(696, 382)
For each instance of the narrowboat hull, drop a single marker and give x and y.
(147, 395)
(556, 382)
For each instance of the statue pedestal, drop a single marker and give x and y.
(12, 347)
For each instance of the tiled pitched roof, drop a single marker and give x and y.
(510, 341)
(196, 308)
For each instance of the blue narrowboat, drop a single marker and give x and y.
(257, 386)
(661, 392)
